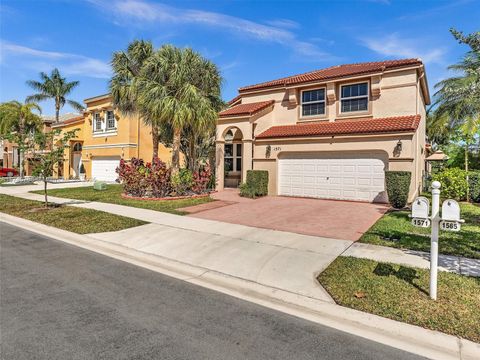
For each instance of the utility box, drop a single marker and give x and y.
(99, 185)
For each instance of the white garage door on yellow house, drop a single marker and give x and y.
(103, 168)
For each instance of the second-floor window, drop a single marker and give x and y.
(97, 122)
(110, 120)
(354, 97)
(313, 102)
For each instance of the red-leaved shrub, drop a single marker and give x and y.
(140, 179)
(201, 179)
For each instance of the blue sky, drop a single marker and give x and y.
(251, 41)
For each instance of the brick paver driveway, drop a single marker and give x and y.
(327, 218)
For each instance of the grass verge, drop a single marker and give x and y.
(394, 229)
(78, 220)
(113, 194)
(401, 293)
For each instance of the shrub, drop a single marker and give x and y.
(474, 182)
(139, 179)
(256, 184)
(182, 182)
(398, 187)
(201, 180)
(454, 183)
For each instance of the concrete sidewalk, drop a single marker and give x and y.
(420, 259)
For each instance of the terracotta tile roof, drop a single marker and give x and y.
(70, 120)
(344, 127)
(246, 109)
(234, 100)
(334, 72)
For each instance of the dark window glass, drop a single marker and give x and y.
(110, 120)
(228, 150)
(313, 95)
(239, 164)
(313, 109)
(228, 164)
(360, 104)
(239, 149)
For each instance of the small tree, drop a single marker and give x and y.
(47, 149)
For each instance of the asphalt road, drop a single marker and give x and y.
(62, 302)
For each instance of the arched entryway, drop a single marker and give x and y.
(233, 157)
(76, 159)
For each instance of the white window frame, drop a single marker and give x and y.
(235, 157)
(313, 102)
(355, 97)
(114, 128)
(95, 128)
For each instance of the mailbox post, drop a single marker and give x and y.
(434, 239)
(449, 221)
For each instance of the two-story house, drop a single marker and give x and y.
(103, 137)
(329, 133)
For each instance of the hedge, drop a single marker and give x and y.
(474, 182)
(454, 183)
(256, 184)
(398, 187)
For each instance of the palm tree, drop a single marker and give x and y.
(181, 88)
(54, 87)
(458, 97)
(127, 69)
(17, 122)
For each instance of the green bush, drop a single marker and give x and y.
(256, 184)
(398, 187)
(182, 182)
(454, 183)
(474, 182)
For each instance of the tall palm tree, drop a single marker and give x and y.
(17, 122)
(127, 69)
(182, 88)
(458, 98)
(54, 87)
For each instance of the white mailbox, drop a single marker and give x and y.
(420, 208)
(450, 216)
(450, 210)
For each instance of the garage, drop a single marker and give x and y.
(103, 168)
(342, 176)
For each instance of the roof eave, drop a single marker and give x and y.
(329, 136)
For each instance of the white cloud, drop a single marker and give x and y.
(141, 12)
(70, 64)
(394, 46)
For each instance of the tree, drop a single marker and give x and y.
(48, 150)
(181, 88)
(18, 122)
(127, 69)
(54, 87)
(457, 99)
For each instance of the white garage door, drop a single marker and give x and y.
(333, 176)
(103, 168)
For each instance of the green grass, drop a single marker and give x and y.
(113, 195)
(78, 220)
(394, 229)
(401, 293)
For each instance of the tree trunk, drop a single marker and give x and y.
(21, 153)
(177, 133)
(466, 170)
(57, 111)
(192, 153)
(154, 142)
(45, 191)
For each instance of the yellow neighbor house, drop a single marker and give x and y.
(105, 136)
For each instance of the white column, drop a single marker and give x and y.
(434, 241)
(246, 158)
(219, 164)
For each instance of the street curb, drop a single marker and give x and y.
(410, 338)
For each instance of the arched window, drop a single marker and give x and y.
(77, 147)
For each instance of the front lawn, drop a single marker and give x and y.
(401, 293)
(78, 220)
(113, 195)
(395, 229)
